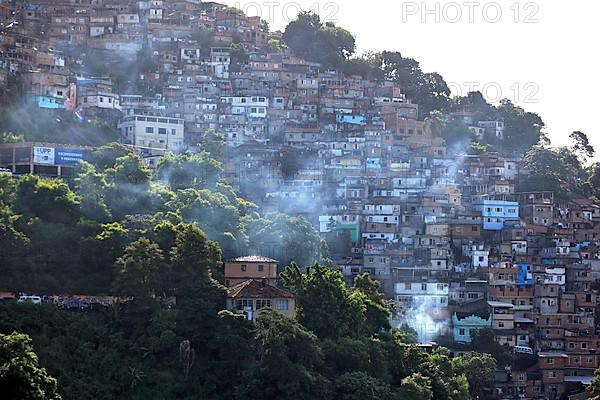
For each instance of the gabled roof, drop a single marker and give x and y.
(253, 259)
(257, 289)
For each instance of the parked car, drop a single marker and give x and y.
(98, 305)
(72, 304)
(30, 299)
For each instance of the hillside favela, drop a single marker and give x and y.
(195, 204)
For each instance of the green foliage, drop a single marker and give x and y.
(290, 357)
(366, 292)
(327, 308)
(593, 390)
(360, 386)
(483, 341)
(274, 45)
(416, 387)
(479, 369)
(522, 129)
(326, 43)
(188, 170)
(239, 57)
(91, 187)
(581, 145)
(287, 239)
(408, 334)
(50, 200)
(20, 374)
(557, 170)
(213, 143)
(7, 137)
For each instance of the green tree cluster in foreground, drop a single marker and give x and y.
(65, 235)
(194, 349)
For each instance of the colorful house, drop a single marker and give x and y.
(465, 324)
(496, 212)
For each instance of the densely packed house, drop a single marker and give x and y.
(452, 242)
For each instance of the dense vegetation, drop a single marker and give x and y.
(141, 350)
(66, 235)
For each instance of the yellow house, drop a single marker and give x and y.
(251, 295)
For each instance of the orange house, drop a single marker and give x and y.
(250, 267)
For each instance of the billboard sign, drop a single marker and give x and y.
(68, 156)
(57, 156)
(43, 155)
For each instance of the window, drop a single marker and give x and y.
(174, 132)
(500, 324)
(243, 304)
(149, 129)
(282, 304)
(244, 267)
(162, 131)
(262, 303)
(261, 268)
(461, 331)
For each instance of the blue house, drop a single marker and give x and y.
(496, 212)
(351, 119)
(373, 163)
(49, 102)
(525, 274)
(465, 324)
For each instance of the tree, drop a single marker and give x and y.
(20, 374)
(360, 386)
(48, 199)
(106, 156)
(137, 277)
(479, 370)
(366, 292)
(484, 341)
(408, 334)
(199, 295)
(130, 169)
(581, 145)
(8, 137)
(290, 358)
(238, 56)
(557, 170)
(416, 387)
(324, 304)
(91, 187)
(300, 34)
(593, 390)
(522, 129)
(285, 238)
(137, 271)
(326, 43)
(214, 143)
(184, 171)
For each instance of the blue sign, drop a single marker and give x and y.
(68, 156)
